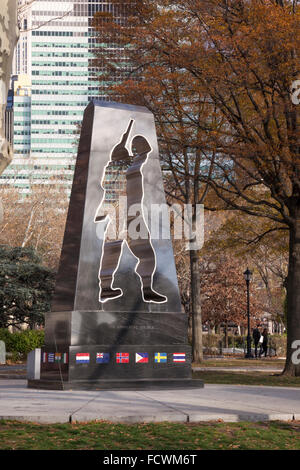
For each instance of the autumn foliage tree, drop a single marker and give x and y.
(241, 57)
(224, 295)
(182, 117)
(238, 235)
(251, 59)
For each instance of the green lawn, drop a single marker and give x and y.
(246, 378)
(241, 362)
(158, 436)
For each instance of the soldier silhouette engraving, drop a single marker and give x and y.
(141, 247)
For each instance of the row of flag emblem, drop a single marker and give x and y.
(55, 357)
(123, 358)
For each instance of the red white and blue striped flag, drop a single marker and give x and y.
(178, 357)
(82, 358)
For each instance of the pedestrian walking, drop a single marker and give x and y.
(264, 343)
(256, 336)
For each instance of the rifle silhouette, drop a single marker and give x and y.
(120, 152)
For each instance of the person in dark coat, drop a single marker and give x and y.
(264, 344)
(256, 335)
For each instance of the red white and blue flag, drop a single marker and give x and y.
(55, 357)
(102, 358)
(178, 357)
(82, 358)
(141, 357)
(122, 358)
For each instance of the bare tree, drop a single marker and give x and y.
(36, 220)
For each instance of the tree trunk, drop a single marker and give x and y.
(293, 298)
(196, 308)
(226, 334)
(190, 328)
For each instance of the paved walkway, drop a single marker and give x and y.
(230, 403)
(18, 371)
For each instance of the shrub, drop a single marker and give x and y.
(236, 341)
(5, 336)
(278, 343)
(213, 343)
(22, 342)
(25, 287)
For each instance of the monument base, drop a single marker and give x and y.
(111, 367)
(143, 384)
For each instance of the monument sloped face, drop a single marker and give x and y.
(116, 319)
(141, 248)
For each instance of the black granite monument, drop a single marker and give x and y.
(116, 320)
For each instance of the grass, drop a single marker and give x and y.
(246, 378)
(158, 436)
(241, 362)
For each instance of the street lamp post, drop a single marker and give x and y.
(248, 277)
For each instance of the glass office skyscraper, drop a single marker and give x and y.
(59, 49)
(60, 84)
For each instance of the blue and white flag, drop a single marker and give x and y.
(51, 357)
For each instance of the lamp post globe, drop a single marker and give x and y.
(248, 275)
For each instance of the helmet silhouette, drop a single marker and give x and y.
(140, 145)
